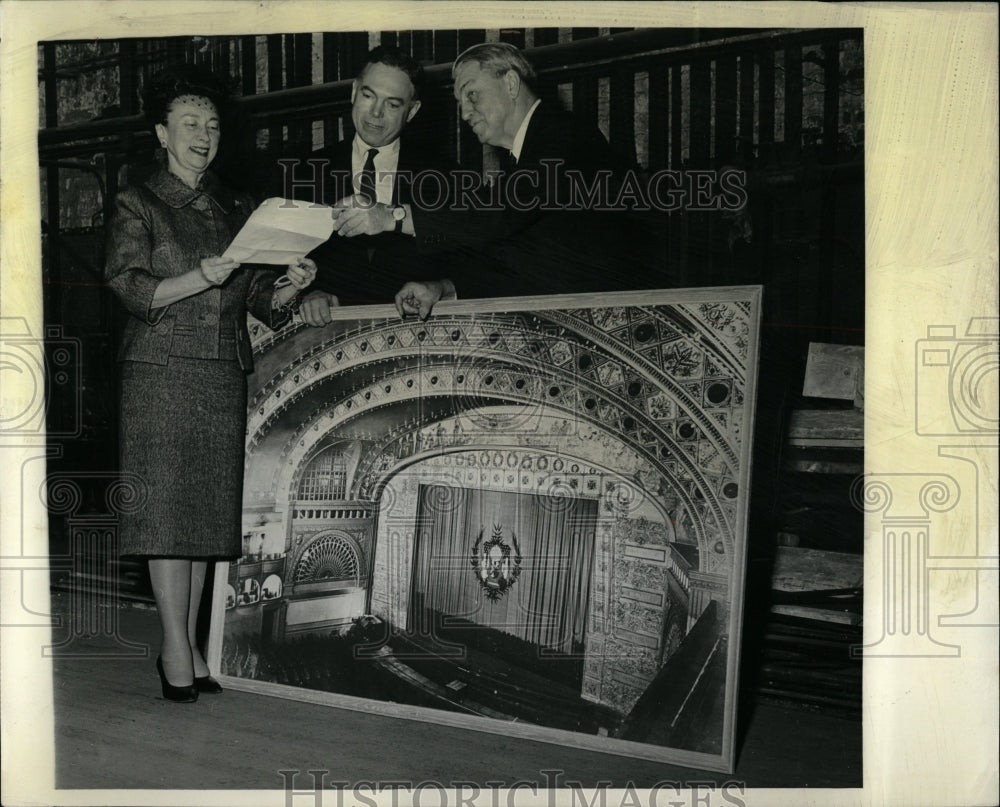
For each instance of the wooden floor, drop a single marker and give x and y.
(114, 731)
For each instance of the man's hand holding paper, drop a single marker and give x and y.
(357, 215)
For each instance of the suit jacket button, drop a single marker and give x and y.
(210, 319)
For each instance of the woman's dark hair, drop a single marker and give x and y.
(171, 83)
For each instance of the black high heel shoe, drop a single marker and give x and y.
(207, 685)
(188, 694)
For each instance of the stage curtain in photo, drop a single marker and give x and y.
(547, 606)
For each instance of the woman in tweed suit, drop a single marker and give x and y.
(185, 353)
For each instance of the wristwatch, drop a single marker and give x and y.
(398, 214)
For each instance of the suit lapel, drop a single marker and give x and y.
(406, 163)
(533, 148)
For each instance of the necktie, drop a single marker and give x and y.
(507, 161)
(367, 185)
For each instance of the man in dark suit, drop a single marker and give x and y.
(373, 168)
(554, 222)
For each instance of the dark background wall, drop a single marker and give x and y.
(784, 106)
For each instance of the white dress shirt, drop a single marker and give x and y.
(515, 149)
(386, 163)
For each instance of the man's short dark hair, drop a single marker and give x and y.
(391, 56)
(179, 80)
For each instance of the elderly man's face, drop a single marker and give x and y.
(382, 104)
(486, 103)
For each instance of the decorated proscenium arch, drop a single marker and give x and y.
(659, 381)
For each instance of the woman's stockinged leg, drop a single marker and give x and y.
(198, 571)
(171, 579)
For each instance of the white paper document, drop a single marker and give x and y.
(281, 230)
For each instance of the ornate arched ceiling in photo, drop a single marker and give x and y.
(654, 388)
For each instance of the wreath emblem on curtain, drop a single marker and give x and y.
(495, 567)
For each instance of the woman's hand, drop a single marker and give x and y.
(211, 271)
(216, 269)
(301, 273)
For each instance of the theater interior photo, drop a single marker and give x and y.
(589, 525)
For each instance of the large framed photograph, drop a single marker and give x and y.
(525, 516)
(864, 224)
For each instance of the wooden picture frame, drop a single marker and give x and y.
(581, 461)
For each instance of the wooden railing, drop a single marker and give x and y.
(772, 98)
(785, 105)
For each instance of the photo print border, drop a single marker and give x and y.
(517, 440)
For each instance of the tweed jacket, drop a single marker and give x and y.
(163, 228)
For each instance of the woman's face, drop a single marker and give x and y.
(190, 136)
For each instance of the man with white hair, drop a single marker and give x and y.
(554, 229)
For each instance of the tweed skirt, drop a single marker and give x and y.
(182, 430)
